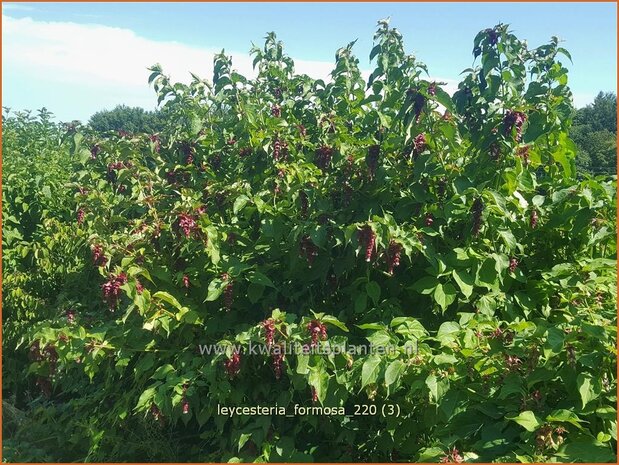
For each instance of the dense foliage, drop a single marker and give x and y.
(595, 133)
(127, 119)
(282, 210)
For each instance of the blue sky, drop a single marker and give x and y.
(77, 58)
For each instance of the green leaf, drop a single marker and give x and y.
(444, 294)
(239, 203)
(161, 295)
(394, 371)
(329, 319)
(373, 290)
(319, 379)
(585, 388)
(257, 277)
(425, 285)
(565, 416)
(527, 420)
(432, 384)
(370, 370)
(465, 281)
(215, 289)
(587, 449)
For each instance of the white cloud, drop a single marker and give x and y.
(103, 65)
(16, 7)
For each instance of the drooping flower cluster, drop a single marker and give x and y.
(493, 36)
(523, 152)
(324, 154)
(372, 159)
(228, 291)
(419, 145)
(429, 220)
(215, 162)
(188, 153)
(514, 119)
(185, 402)
(303, 199)
(452, 456)
(477, 210)
(367, 239)
(317, 330)
(186, 282)
(156, 141)
(534, 219)
(233, 365)
(111, 289)
(278, 359)
(513, 264)
(276, 111)
(70, 314)
(187, 224)
(80, 216)
(393, 255)
(308, 250)
(418, 100)
(269, 331)
(98, 256)
(94, 151)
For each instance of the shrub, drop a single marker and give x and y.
(285, 210)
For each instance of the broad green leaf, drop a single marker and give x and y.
(370, 370)
(527, 420)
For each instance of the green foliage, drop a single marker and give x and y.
(286, 210)
(595, 133)
(128, 119)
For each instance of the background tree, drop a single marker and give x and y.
(595, 134)
(129, 119)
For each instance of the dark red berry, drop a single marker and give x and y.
(317, 331)
(303, 199)
(228, 291)
(111, 289)
(367, 239)
(186, 282)
(419, 145)
(278, 358)
(514, 119)
(323, 157)
(477, 210)
(429, 219)
(534, 219)
(393, 256)
(269, 331)
(513, 264)
(98, 256)
(371, 159)
(308, 250)
(233, 365)
(187, 224)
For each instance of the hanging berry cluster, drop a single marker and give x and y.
(233, 365)
(477, 210)
(372, 160)
(187, 224)
(228, 291)
(98, 257)
(393, 256)
(324, 154)
(317, 331)
(111, 289)
(514, 119)
(308, 250)
(367, 239)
